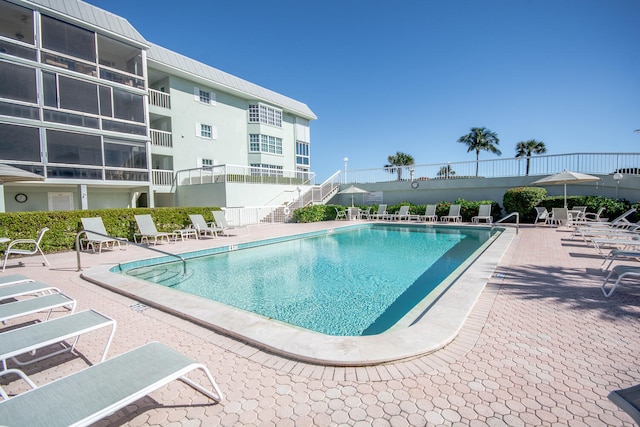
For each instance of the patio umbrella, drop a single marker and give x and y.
(353, 190)
(13, 174)
(566, 177)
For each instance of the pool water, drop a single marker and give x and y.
(355, 282)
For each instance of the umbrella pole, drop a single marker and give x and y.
(565, 194)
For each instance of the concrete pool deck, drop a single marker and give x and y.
(431, 325)
(542, 346)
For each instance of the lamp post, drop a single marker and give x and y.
(346, 161)
(299, 201)
(617, 176)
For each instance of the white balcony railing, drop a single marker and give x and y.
(159, 99)
(589, 163)
(162, 177)
(161, 138)
(243, 174)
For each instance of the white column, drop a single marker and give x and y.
(84, 197)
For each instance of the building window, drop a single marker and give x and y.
(261, 169)
(260, 113)
(204, 96)
(18, 82)
(206, 162)
(265, 144)
(19, 143)
(68, 39)
(206, 131)
(302, 153)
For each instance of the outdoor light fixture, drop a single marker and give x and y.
(346, 161)
(617, 176)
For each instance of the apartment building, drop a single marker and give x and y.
(110, 120)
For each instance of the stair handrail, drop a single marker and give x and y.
(512, 214)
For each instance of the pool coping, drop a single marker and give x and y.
(435, 328)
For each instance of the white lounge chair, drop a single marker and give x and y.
(30, 338)
(340, 214)
(621, 271)
(381, 213)
(87, 396)
(615, 254)
(454, 214)
(630, 241)
(48, 303)
(542, 214)
(593, 217)
(484, 213)
(221, 221)
(148, 231)
(96, 235)
(628, 400)
(201, 225)
(12, 279)
(26, 288)
(402, 214)
(430, 213)
(33, 246)
(365, 213)
(620, 221)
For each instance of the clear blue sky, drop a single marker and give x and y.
(415, 75)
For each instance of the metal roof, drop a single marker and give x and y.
(161, 55)
(89, 14)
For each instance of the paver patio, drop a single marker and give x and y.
(541, 347)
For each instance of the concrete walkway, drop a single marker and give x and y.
(541, 347)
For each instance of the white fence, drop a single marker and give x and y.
(243, 174)
(253, 215)
(589, 163)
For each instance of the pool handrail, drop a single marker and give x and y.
(516, 214)
(184, 261)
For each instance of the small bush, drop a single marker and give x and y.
(316, 213)
(523, 200)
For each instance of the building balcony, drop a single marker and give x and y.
(162, 177)
(161, 138)
(159, 99)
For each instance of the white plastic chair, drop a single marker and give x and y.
(340, 214)
(542, 214)
(25, 243)
(484, 213)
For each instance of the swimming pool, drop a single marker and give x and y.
(352, 282)
(430, 325)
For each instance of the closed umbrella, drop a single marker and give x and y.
(353, 190)
(13, 174)
(566, 177)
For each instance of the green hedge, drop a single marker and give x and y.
(64, 225)
(468, 209)
(524, 199)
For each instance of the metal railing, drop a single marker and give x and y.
(159, 99)
(79, 247)
(161, 138)
(244, 175)
(512, 214)
(162, 177)
(589, 163)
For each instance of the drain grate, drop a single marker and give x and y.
(139, 307)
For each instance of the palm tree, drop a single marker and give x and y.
(397, 161)
(527, 148)
(445, 172)
(481, 139)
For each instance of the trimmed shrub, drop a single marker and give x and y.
(523, 200)
(316, 213)
(64, 225)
